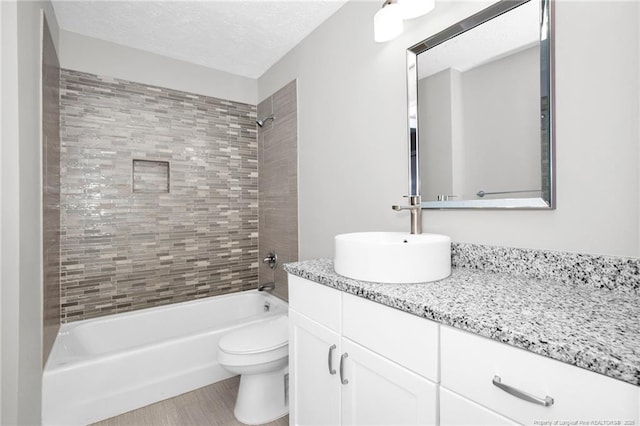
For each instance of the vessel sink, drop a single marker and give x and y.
(393, 257)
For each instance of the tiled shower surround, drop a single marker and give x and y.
(122, 249)
(278, 187)
(50, 192)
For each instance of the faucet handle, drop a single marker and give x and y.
(414, 203)
(414, 200)
(271, 260)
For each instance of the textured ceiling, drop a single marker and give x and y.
(243, 37)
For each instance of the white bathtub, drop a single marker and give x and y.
(103, 367)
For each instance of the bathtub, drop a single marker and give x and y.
(103, 367)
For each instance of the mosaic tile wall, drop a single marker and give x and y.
(278, 187)
(123, 250)
(50, 193)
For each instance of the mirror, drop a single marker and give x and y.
(480, 111)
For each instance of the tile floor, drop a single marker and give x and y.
(211, 406)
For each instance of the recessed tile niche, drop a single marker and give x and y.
(150, 176)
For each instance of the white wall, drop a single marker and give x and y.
(436, 139)
(502, 139)
(4, 38)
(91, 55)
(20, 214)
(352, 132)
(441, 138)
(10, 274)
(479, 129)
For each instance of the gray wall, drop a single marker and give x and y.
(278, 185)
(21, 213)
(91, 55)
(352, 133)
(142, 234)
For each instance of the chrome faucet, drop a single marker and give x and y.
(415, 208)
(271, 260)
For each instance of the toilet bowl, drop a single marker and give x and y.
(260, 354)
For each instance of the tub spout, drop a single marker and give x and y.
(267, 287)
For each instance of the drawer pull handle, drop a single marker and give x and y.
(330, 359)
(547, 401)
(342, 379)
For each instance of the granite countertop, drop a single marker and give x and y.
(594, 328)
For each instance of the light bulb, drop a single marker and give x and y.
(387, 22)
(414, 8)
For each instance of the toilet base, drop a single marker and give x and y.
(261, 398)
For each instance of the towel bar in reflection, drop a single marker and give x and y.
(482, 193)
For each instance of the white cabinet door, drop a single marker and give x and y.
(314, 391)
(381, 392)
(456, 410)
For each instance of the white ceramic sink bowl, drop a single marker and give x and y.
(393, 257)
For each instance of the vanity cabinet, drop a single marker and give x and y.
(456, 410)
(491, 374)
(314, 391)
(353, 361)
(378, 391)
(344, 370)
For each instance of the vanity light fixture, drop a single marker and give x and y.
(415, 8)
(387, 22)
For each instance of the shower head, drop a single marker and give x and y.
(260, 122)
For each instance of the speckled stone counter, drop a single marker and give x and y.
(581, 323)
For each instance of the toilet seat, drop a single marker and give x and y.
(257, 338)
(259, 345)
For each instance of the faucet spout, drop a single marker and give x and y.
(267, 287)
(415, 208)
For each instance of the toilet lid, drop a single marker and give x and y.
(263, 336)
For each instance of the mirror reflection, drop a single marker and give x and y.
(480, 113)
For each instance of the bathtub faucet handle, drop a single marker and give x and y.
(271, 260)
(267, 287)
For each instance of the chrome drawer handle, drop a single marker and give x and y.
(330, 359)
(547, 401)
(342, 379)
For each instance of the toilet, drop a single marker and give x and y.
(260, 354)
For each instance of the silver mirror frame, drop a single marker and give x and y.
(547, 200)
